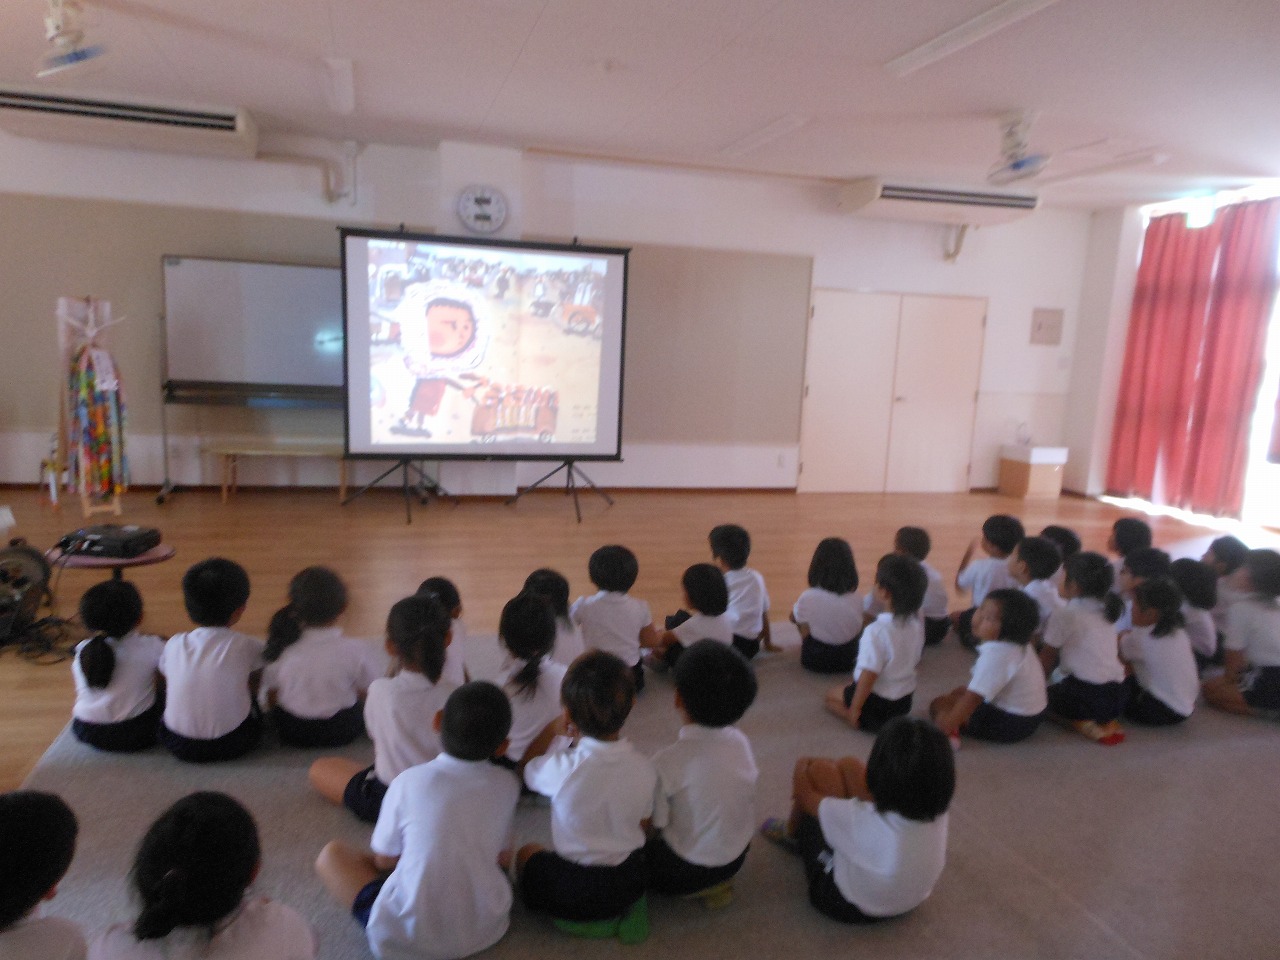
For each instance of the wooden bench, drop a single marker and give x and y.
(232, 451)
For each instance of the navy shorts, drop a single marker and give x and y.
(1143, 706)
(364, 900)
(820, 657)
(230, 746)
(573, 891)
(127, 736)
(1261, 687)
(999, 726)
(1077, 699)
(823, 892)
(877, 711)
(336, 731)
(363, 795)
(671, 874)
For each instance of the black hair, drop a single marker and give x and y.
(599, 692)
(833, 567)
(1147, 562)
(317, 597)
(1019, 615)
(1264, 572)
(715, 682)
(110, 609)
(1068, 540)
(1093, 574)
(1230, 552)
(459, 305)
(1162, 595)
(912, 769)
(913, 541)
(528, 629)
(1003, 532)
(904, 580)
(705, 587)
(730, 543)
(194, 864)
(1129, 534)
(553, 585)
(477, 718)
(1041, 555)
(444, 590)
(37, 841)
(213, 590)
(417, 627)
(613, 568)
(1197, 581)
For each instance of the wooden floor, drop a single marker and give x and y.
(487, 549)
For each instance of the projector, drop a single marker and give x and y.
(110, 540)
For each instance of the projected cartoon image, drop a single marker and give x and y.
(476, 349)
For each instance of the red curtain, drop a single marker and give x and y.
(1194, 356)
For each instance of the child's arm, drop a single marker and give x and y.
(851, 714)
(766, 636)
(950, 720)
(1233, 663)
(966, 560)
(651, 635)
(1048, 658)
(540, 744)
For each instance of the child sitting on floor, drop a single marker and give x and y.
(431, 887)
(211, 673)
(1163, 683)
(829, 613)
(1225, 556)
(748, 598)
(316, 677)
(1251, 683)
(397, 711)
(612, 620)
(37, 842)
(873, 838)
(884, 679)
(190, 877)
(1081, 652)
(914, 542)
(1127, 535)
(1005, 699)
(553, 585)
(704, 808)
(601, 791)
(119, 691)
(1199, 586)
(527, 630)
(707, 596)
(446, 592)
(1032, 565)
(1001, 535)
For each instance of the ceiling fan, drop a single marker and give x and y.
(1020, 162)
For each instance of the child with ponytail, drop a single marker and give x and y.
(190, 876)
(119, 690)
(527, 632)
(316, 677)
(1163, 682)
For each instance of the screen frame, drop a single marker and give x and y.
(401, 235)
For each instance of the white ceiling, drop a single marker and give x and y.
(683, 81)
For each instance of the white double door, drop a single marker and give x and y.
(891, 392)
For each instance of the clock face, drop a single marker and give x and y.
(482, 209)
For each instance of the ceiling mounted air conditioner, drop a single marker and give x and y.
(129, 125)
(872, 197)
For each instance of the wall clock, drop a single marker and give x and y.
(482, 209)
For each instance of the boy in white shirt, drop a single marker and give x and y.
(37, 842)
(748, 599)
(611, 620)
(914, 542)
(1001, 535)
(601, 791)
(704, 806)
(431, 888)
(1032, 565)
(212, 672)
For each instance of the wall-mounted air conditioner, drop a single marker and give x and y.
(129, 125)
(872, 197)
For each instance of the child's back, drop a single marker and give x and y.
(748, 610)
(324, 672)
(446, 821)
(612, 620)
(1087, 641)
(397, 715)
(132, 689)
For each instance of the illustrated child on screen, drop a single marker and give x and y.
(442, 342)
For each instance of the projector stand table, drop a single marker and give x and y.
(86, 561)
(424, 488)
(572, 471)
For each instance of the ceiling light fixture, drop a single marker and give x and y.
(965, 35)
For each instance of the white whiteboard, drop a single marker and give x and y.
(235, 322)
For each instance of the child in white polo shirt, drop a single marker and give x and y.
(316, 676)
(601, 792)
(1032, 565)
(748, 597)
(431, 888)
(1005, 699)
(1251, 683)
(914, 542)
(704, 807)
(118, 700)
(707, 596)
(397, 710)
(884, 679)
(829, 613)
(37, 841)
(446, 591)
(1163, 682)
(531, 680)
(978, 576)
(553, 585)
(611, 620)
(211, 672)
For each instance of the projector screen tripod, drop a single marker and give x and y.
(572, 474)
(424, 488)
